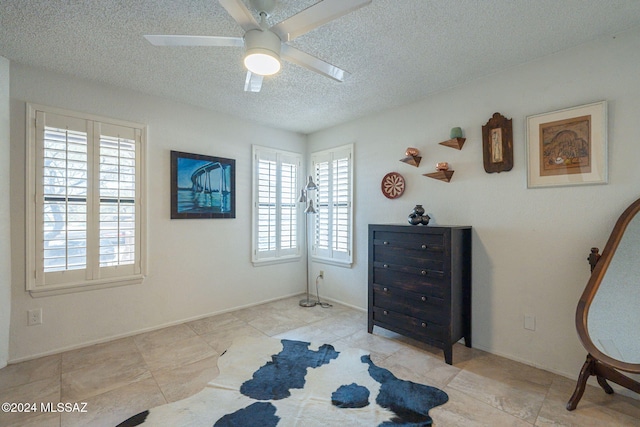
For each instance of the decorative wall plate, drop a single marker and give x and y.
(392, 185)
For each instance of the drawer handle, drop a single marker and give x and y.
(385, 289)
(385, 265)
(424, 246)
(423, 272)
(424, 325)
(385, 312)
(423, 298)
(385, 243)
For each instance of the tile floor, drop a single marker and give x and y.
(123, 377)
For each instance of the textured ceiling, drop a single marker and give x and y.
(398, 51)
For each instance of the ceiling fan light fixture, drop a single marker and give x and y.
(262, 54)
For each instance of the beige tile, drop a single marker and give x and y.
(596, 408)
(464, 411)
(419, 366)
(162, 338)
(309, 333)
(343, 324)
(504, 384)
(177, 353)
(213, 323)
(41, 420)
(186, 380)
(102, 377)
(252, 313)
(29, 371)
(222, 339)
(308, 314)
(42, 391)
(273, 323)
(99, 353)
(113, 407)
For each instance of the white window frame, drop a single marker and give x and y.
(330, 254)
(94, 276)
(278, 253)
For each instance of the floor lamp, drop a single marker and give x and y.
(309, 210)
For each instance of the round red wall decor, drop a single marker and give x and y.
(392, 185)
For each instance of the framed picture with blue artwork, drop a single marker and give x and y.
(202, 186)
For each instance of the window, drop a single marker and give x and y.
(332, 224)
(85, 201)
(276, 182)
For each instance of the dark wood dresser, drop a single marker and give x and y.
(420, 283)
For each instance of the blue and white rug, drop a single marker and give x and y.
(267, 382)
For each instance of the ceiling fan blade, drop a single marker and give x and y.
(240, 14)
(171, 40)
(253, 82)
(315, 16)
(303, 59)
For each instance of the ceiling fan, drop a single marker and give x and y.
(264, 45)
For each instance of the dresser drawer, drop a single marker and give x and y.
(420, 306)
(410, 324)
(417, 271)
(418, 258)
(424, 242)
(430, 285)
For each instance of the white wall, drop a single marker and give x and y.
(5, 224)
(196, 267)
(529, 245)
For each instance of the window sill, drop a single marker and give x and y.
(336, 262)
(272, 261)
(45, 291)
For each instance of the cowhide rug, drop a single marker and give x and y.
(266, 382)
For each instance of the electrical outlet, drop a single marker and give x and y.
(530, 323)
(34, 317)
(321, 274)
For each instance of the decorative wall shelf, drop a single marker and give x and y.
(412, 160)
(456, 143)
(440, 175)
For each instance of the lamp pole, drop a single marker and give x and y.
(309, 210)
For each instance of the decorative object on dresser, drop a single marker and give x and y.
(392, 185)
(497, 144)
(418, 217)
(412, 157)
(568, 147)
(607, 315)
(420, 283)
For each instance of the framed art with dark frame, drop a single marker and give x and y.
(568, 147)
(202, 186)
(497, 144)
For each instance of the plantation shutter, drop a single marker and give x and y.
(63, 172)
(333, 222)
(276, 210)
(266, 194)
(86, 212)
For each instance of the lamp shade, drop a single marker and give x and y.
(310, 185)
(262, 54)
(310, 209)
(303, 196)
